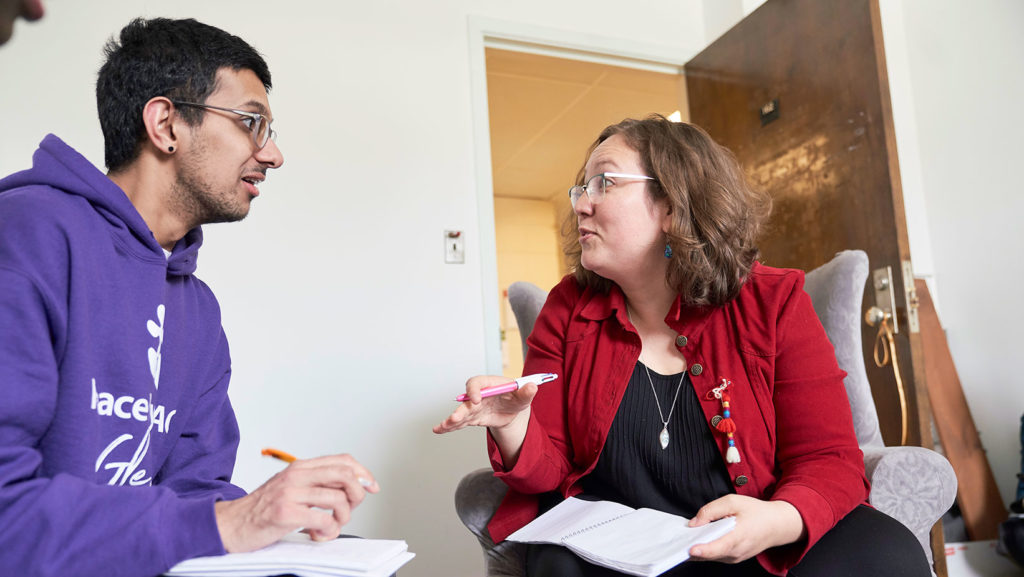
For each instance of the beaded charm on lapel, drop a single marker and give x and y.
(727, 425)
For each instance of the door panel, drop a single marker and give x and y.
(827, 154)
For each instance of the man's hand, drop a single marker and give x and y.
(760, 525)
(316, 494)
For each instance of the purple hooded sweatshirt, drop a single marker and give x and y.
(116, 433)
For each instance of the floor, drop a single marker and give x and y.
(979, 559)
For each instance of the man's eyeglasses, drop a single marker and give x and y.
(257, 124)
(599, 184)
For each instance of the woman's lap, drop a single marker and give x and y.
(866, 543)
(554, 560)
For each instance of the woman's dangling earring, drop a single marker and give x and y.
(668, 250)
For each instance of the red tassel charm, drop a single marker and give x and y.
(726, 425)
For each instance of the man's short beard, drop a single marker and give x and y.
(196, 201)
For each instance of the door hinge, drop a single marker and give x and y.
(913, 323)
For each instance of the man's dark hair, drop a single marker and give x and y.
(178, 59)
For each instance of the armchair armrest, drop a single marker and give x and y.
(913, 485)
(476, 499)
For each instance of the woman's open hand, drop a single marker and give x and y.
(760, 525)
(496, 412)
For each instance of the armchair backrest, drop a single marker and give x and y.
(526, 300)
(837, 291)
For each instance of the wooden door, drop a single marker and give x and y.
(826, 153)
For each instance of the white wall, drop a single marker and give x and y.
(721, 15)
(348, 332)
(963, 63)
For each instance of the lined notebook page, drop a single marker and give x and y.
(569, 517)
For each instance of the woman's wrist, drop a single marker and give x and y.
(792, 527)
(514, 430)
(510, 436)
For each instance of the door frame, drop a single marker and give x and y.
(908, 151)
(485, 32)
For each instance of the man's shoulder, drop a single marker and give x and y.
(40, 225)
(39, 206)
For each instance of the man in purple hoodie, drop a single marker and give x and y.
(117, 439)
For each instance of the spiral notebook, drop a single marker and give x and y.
(642, 542)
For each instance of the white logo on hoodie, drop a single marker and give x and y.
(157, 330)
(138, 409)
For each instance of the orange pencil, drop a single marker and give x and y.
(288, 458)
(268, 452)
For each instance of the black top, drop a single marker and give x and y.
(634, 470)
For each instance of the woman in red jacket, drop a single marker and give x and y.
(692, 379)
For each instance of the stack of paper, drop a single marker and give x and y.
(298, 555)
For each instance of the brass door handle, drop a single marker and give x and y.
(875, 315)
(885, 351)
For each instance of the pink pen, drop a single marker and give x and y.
(538, 379)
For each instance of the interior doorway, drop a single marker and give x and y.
(544, 111)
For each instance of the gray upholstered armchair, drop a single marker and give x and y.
(911, 484)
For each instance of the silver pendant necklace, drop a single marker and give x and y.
(663, 438)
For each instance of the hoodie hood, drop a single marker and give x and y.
(58, 166)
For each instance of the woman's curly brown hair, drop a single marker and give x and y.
(716, 214)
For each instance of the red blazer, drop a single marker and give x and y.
(794, 430)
